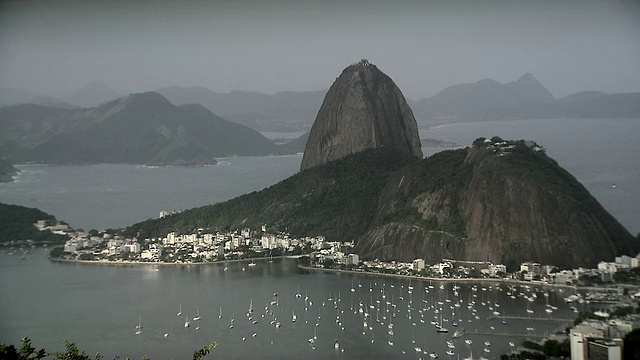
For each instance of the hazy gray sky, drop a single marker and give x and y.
(54, 47)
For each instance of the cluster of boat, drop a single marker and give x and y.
(379, 307)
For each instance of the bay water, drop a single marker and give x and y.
(98, 306)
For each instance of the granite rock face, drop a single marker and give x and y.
(363, 109)
(479, 205)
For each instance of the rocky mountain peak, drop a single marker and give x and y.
(527, 78)
(150, 101)
(363, 109)
(533, 89)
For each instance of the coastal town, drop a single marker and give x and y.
(599, 331)
(249, 244)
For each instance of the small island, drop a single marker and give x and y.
(29, 226)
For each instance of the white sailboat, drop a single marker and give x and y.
(315, 336)
(441, 329)
(179, 310)
(293, 316)
(187, 323)
(139, 326)
(197, 317)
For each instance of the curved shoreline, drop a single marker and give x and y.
(337, 271)
(137, 263)
(424, 278)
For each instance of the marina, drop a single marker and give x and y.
(98, 307)
(288, 312)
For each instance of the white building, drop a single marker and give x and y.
(207, 238)
(191, 238)
(627, 261)
(418, 265)
(439, 268)
(70, 246)
(531, 268)
(564, 277)
(608, 267)
(494, 269)
(132, 247)
(171, 238)
(599, 348)
(578, 339)
(353, 259)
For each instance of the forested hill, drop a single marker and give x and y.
(17, 224)
(337, 200)
(141, 128)
(499, 201)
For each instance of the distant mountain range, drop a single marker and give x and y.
(284, 111)
(16, 96)
(290, 111)
(363, 178)
(139, 129)
(525, 98)
(484, 100)
(90, 95)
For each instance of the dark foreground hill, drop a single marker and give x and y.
(480, 203)
(141, 128)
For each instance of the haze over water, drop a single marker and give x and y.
(99, 306)
(598, 152)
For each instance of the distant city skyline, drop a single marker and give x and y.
(55, 47)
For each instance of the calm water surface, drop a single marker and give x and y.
(99, 306)
(114, 195)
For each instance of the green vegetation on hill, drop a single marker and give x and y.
(17, 224)
(504, 203)
(443, 172)
(138, 129)
(337, 200)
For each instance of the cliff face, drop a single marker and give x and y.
(482, 203)
(362, 110)
(501, 206)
